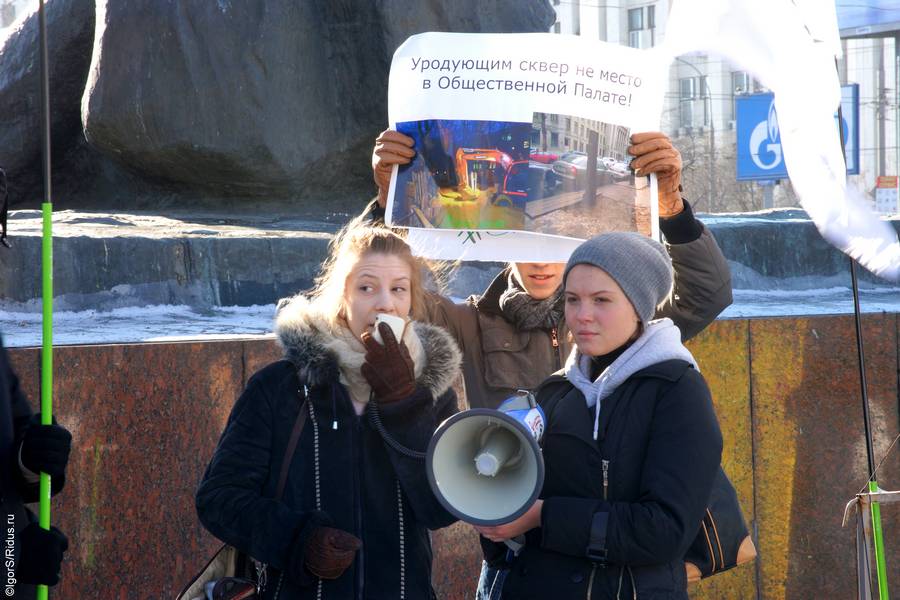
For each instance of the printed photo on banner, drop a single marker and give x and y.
(520, 143)
(558, 174)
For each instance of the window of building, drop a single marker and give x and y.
(687, 114)
(7, 14)
(692, 87)
(635, 19)
(568, 124)
(634, 39)
(740, 83)
(554, 139)
(651, 17)
(556, 27)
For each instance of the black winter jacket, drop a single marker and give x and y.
(366, 487)
(625, 507)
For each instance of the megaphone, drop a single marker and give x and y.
(485, 466)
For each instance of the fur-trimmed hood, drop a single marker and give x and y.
(317, 350)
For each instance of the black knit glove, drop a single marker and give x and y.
(42, 553)
(45, 448)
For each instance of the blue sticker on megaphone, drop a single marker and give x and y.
(525, 410)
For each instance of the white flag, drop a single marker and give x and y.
(791, 51)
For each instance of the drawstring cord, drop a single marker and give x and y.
(602, 381)
(402, 543)
(633, 585)
(312, 416)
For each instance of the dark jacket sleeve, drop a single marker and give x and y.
(683, 453)
(459, 320)
(411, 423)
(230, 500)
(702, 277)
(20, 414)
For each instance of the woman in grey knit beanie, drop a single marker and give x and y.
(639, 265)
(631, 446)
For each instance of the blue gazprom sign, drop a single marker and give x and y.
(759, 154)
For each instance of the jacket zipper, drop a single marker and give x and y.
(554, 341)
(605, 464)
(360, 567)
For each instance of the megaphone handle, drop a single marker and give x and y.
(516, 544)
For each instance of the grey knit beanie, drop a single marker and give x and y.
(640, 266)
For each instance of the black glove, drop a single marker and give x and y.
(45, 448)
(41, 556)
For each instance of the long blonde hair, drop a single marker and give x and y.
(348, 246)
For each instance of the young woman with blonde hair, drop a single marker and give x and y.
(354, 516)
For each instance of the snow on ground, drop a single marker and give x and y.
(139, 324)
(795, 303)
(178, 323)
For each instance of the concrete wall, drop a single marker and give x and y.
(146, 418)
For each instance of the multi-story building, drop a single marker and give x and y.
(562, 133)
(702, 89)
(10, 10)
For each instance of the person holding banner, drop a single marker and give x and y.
(631, 446)
(353, 518)
(33, 555)
(513, 335)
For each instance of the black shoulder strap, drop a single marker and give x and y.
(292, 443)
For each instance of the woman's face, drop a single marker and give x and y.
(540, 280)
(599, 315)
(378, 283)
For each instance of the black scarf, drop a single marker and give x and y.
(526, 312)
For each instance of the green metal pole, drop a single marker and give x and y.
(46, 361)
(878, 539)
(47, 278)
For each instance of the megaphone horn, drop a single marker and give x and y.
(485, 466)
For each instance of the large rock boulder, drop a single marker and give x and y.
(70, 34)
(276, 98)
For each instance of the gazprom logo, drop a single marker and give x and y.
(765, 142)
